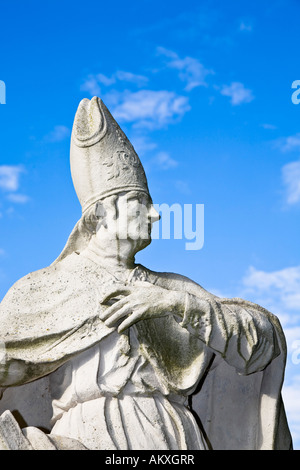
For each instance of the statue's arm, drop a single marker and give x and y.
(241, 332)
(238, 331)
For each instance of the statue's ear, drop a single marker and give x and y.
(100, 214)
(100, 211)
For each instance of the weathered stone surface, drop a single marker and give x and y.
(11, 436)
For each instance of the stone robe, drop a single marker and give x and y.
(211, 381)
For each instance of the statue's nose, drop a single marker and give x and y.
(153, 214)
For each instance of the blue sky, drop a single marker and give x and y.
(203, 89)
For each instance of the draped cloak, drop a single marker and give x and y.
(225, 365)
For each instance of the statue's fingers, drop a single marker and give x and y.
(115, 293)
(110, 311)
(131, 320)
(115, 317)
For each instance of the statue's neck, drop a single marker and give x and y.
(111, 254)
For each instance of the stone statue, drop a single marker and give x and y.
(98, 352)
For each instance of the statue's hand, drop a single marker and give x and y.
(139, 302)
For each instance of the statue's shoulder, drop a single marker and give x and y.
(30, 282)
(64, 275)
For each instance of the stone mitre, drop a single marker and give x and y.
(103, 161)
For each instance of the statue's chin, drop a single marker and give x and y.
(140, 244)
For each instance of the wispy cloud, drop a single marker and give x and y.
(291, 181)
(191, 71)
(290, 143)
(107, 81)
(290, 172)
(92, 84)
(58, 134)
(150, 108)
(237, 93)
(245, 26)
(10, 177)
(139, 80)
(268, 126)
(10, 183)
(143, 144)
(164, 161)
(277, 290)
(18, 198)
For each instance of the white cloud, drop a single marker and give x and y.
(238, 93)
(289, 144)
(10, 183)
(91, 85)
(92, 82)
(107, 81)
(18, 198)
(122, 76)
(10, 177)
(143, 144)
(139, 80)
(291, 180)
(191, 71)
(163, 161)
(269, 126)
(58, 134)
(149, 108)
(244, 26)
(279, 291)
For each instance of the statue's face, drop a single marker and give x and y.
(136, 215)
(130, 217)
